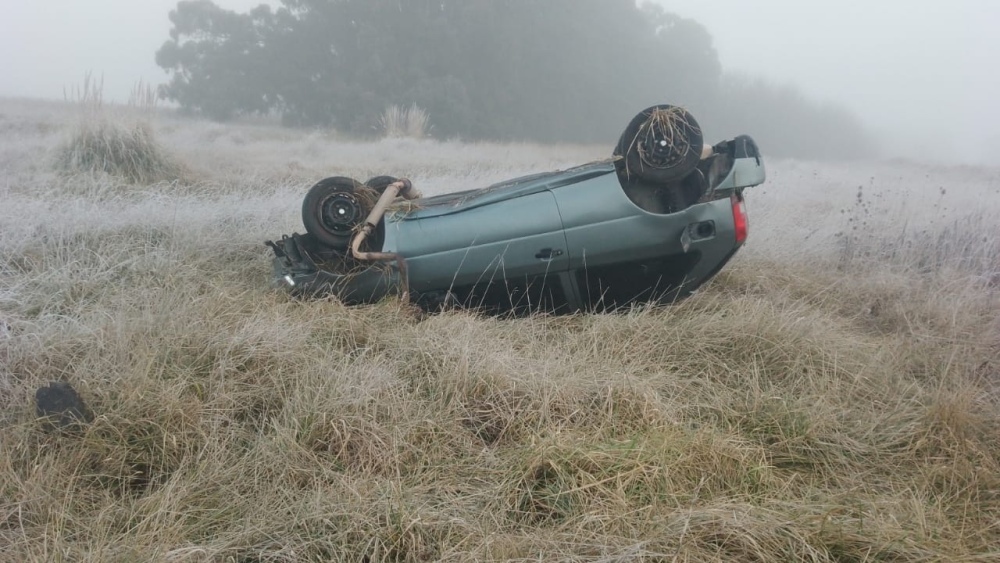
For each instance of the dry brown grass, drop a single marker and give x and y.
(821, 400)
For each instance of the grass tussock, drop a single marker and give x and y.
(126, 151)
(398, 122)
(836, 403)
(122, 146)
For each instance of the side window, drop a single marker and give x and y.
(620, 285)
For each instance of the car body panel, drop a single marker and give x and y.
(598, 219)
(462, 201)
(747, 168)
(503, 238)
(615, 247)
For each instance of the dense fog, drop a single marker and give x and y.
(817, 79)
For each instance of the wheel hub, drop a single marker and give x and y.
(341, 212)
(660, 149)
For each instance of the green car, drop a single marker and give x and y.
(652, 223)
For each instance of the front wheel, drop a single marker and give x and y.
(334, 208)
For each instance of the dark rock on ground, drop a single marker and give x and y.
(61, 407)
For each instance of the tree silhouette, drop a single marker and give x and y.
(559, 70)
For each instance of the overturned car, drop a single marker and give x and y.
(652, 223)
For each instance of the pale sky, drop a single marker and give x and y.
(909, 68)
(923, 73)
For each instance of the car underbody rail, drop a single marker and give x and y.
(402, 187)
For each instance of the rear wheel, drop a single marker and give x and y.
(334, 208)
(661, 144)
(657, 159)
(380, 183)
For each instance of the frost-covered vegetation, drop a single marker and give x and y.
(832, 396)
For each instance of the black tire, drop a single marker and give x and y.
(380, 183)
(334, 207)
(650, 154)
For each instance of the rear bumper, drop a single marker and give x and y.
(301, 269)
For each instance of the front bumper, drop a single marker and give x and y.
(302, 267)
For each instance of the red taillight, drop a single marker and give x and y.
(740, 221)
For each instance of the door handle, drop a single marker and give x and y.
(548, 253)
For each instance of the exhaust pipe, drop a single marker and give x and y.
(404, 188)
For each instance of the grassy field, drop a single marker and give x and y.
(832, 396)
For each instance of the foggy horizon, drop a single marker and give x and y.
(915, 73)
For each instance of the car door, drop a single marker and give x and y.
(504, 255)
(621, 254)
